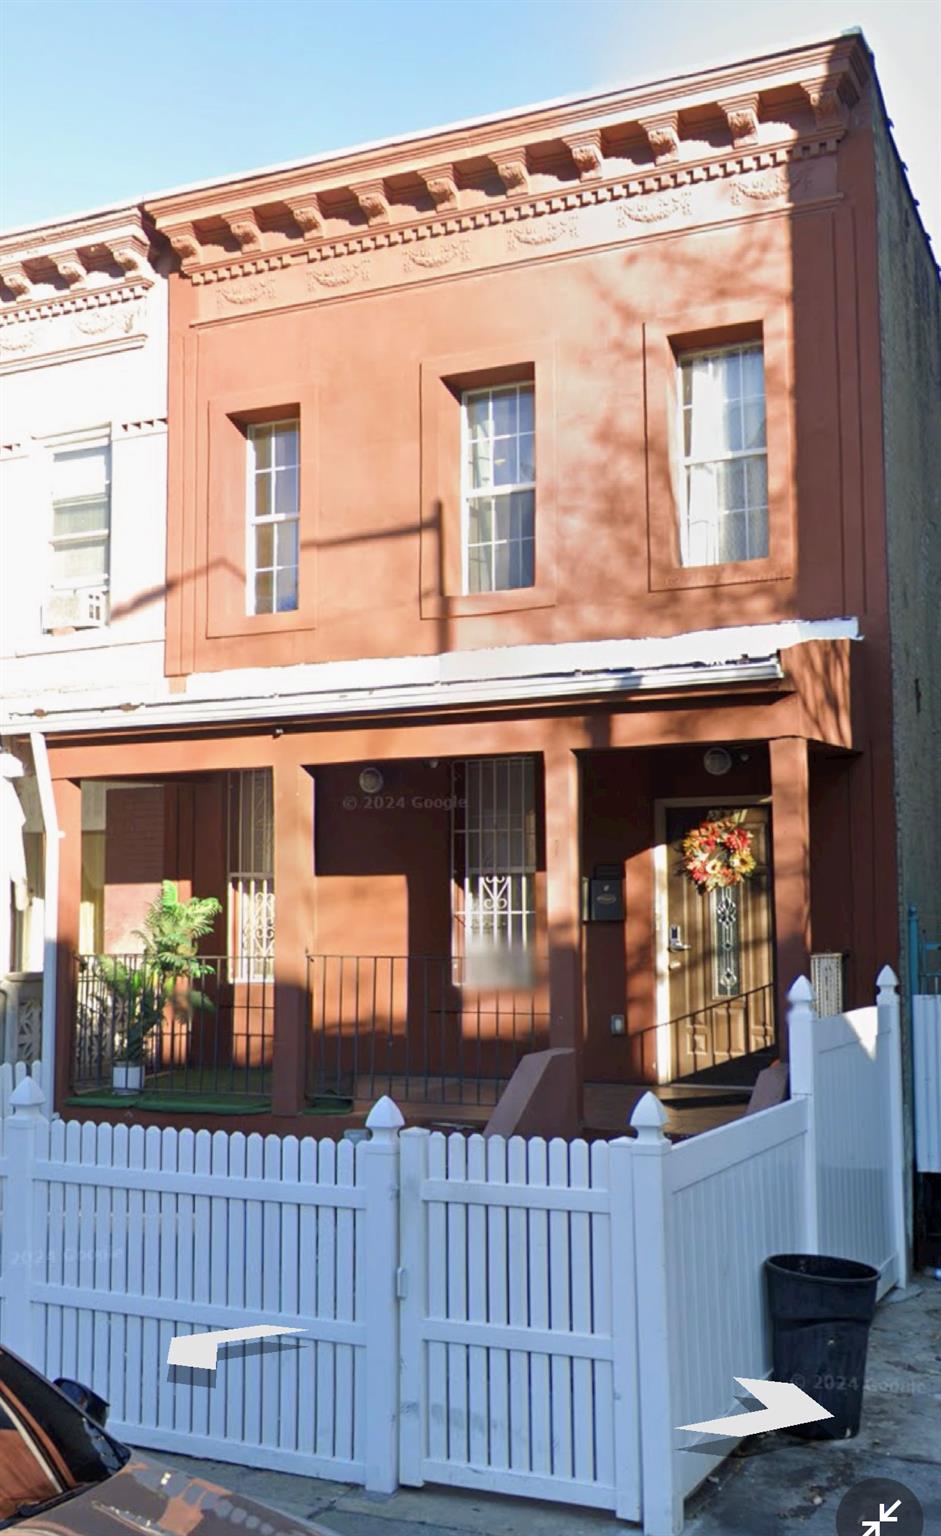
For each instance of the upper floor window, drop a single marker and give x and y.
(499, 491)
(273, 516)
(724, 456)
(80, 553)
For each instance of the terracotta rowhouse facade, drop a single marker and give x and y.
(526, 507)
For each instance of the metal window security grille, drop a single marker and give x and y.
(81, 537)
(273, 517)
(251, 874)
(499, 488)
(724, 457)
(493, 852)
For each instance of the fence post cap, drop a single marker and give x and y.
(801, 991)
(385, 1117)
(887, 981)
(26, 1098)
(649, 1118)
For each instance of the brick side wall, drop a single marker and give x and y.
(910, 327)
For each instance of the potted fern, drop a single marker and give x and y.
(157, 984)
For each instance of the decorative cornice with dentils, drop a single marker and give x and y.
(99, 259)
(817, 82)
(244, 228)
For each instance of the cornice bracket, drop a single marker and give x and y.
(68, 264)
(512, 169)
(741, 114)
(663, 136)
(585, 149)
(185, 243)
(441, 183)
(826, 96)
(305, 212)
(244, 228)
(132, 256)
(17, 279)
(371, 196)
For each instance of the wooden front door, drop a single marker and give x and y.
(719, 951)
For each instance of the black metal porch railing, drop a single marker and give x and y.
(209, 1036)
(724, 1031)
(415, 1028)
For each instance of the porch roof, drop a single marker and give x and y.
(388, 685)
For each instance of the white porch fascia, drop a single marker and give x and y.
(388, 685)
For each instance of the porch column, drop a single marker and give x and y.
(68, 797)
(790, 821)
(563, 909)
(293, 936)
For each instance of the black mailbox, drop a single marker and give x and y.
(605, 894)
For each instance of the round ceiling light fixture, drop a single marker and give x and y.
(371, 781)
(716, 760)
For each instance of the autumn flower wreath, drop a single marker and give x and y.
(718, 853)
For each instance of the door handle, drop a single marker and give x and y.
(676, 938)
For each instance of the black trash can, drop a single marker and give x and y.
(821, 1310)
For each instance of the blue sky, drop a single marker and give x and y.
(104, 100)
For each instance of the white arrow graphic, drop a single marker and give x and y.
(202, 1349)
(785, 1406)
(886, 1517)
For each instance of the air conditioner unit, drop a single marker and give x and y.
(83, 608)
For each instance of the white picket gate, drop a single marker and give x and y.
(519, 1316)
(518, 1339)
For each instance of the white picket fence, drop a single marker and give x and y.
(528, 1318)
(926, 1060)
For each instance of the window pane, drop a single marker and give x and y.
(285, 501)
(527, 457)
(526, 408)
(287, 543)
(754, 424)
(285, 446)
(733, 537)
(264, 585)
(80, 472)
(87, 562)
(286, 598)
(504, 413)
(263, 506)
(480, 520)
(264, 545)
(504, 461)
(478, 569)
(86, 516)
(753, 374)
(261, 440)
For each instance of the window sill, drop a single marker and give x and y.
(737, 572)
(434, 605)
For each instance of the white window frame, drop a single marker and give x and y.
(253, 521)
(470, 492)
(687, 462)
(52, 447)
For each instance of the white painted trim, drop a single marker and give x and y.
(50, 821)
(746, 653)
(661, 910)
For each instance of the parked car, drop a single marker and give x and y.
(61, 1472)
